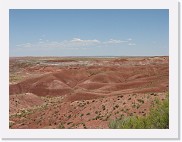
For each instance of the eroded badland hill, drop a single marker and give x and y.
(75, 92)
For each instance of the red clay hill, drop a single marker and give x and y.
(77, 92)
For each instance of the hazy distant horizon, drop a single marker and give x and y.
(86, 56)
(111, 32)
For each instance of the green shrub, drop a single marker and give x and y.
(103, 107)
(11, 124)
(158, 118)
(140, 100)
(61, 126)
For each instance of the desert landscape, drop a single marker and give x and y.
(84, 92)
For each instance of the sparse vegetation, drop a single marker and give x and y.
(84, 126)
(103, 107)
(81, 115)
(158, 118)
(88, 113)
(11, 124)
(61, 126)
(69, 116)
(69, 123)
(116, 106)
(140, 101)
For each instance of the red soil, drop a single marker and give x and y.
(22, 101)
(85, 89)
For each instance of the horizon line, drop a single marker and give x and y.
(96, 56)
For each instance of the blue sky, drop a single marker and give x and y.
(89, 32)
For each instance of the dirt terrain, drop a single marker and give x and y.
(83, 92)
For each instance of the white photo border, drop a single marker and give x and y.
(171, 133)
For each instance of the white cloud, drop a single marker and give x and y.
(75, 43)
(131, 44)
(129, 39)
(84, 41)
(115, 41)
(24, 45)
(76, 40)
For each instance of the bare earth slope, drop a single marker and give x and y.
(83, 92)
